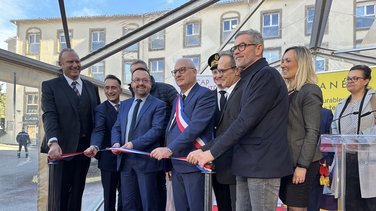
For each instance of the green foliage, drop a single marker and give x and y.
(2, 105)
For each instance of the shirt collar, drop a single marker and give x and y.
(231, 88)
(189, 90)
(69, 80)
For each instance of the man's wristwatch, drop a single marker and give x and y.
(96, 147)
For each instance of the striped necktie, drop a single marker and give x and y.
(74, 87)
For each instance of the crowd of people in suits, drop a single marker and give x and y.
(260, 128)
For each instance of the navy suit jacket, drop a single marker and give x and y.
(259, 133)
(105, 117)
(199, 107)
(149, 128)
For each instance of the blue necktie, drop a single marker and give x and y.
(134, 119)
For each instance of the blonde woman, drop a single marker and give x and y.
(305, 99)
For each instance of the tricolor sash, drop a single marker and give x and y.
(183, 121)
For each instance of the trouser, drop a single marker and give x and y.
(257, 194)
(354, 200)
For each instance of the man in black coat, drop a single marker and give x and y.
(259, 132)
(68, 104)
(23, 139)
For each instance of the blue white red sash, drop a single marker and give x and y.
(183, 121)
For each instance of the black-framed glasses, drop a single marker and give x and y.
(224, 70)
(181, 70)
(241, 46)
(354, 78)
(143, 80)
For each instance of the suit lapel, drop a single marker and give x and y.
(146, 105)
(68, 92)
(124, 109)
(191, 94)
(229, 100)
(111, 110)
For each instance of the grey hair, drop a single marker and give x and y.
(65, 50)
(254, 36)
(230, 55)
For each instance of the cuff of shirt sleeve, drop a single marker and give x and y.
(51, 141)
(301, 166)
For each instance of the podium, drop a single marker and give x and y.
(362, 146)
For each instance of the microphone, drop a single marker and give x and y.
(367, 113)
(355, 113)
(352, 113)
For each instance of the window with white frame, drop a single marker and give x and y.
(62, 41)
(320, 64)
(271, 25)
(192, 34)
(228, 25)
(97, 71)
(32, 103)
(272, 55)
(157, 67)
(134, 47)
(127, 75)
(97, 39)
(365, 15)
(33, 43)
(310, 14)
(195, 59)
(157, 41)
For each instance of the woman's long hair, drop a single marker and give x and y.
(306, 72)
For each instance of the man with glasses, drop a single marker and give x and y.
(223, 180)
(166, 93)
(189, 128)
(259, 133)
(139, 126)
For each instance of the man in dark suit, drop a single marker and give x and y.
(226, 77)
(139, 126)
(259, 133)
(220, 92)
(105, 117)
(68, 104)
(167, 93)
(187, 129)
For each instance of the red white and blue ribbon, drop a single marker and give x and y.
(183, 121)
(206, 169)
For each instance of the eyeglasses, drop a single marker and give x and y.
(181, 70)
(143, 80)
(241, 46)
(354, 78)
(224, 70)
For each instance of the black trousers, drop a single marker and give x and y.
(354, 201)
(69, 178)
(111, 184)
(225, 195)
(20, 146)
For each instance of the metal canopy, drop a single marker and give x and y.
(322, 9)
(349, 57)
